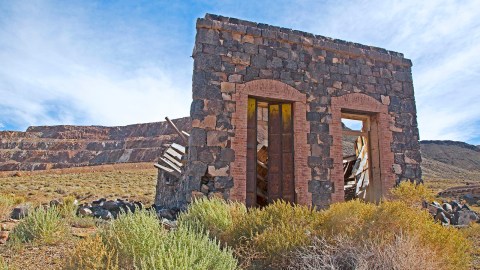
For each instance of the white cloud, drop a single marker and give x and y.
(117, 65)
(58, 70)
(441, 37)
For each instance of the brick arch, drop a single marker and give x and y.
(379, 111)
(274, 90)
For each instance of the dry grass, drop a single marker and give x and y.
(345, 253)
(129, 182)
(133, 184)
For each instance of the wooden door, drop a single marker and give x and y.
(280, 153)
(251, 198)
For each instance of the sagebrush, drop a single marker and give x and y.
(43, 226)
(138, 241)
(261, 237)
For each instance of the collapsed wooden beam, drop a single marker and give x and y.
(185, 140)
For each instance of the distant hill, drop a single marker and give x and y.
(450, 160)
(58, 147)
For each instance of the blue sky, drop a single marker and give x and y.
(125, 62)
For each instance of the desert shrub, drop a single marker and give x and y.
(343, 252)
(91, 253)
(411, 193)
(7, 202)
(385, 222)
(68, 208)
(275, 228)
(472, 233)
(134, 236)
(3, 264)
(41, 226)
(258, 236)
(214, 216)
(82, 222)
(140, 242)
(186, 249)
(346, 217)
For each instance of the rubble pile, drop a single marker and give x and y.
(452, 213)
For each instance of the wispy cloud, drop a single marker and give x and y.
(441, 37)
(126, 62)
(60, 68)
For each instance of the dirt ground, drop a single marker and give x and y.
(133, 182)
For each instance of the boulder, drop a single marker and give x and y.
(55, 203)
(99, 202)
(138, 205)
(456, 205)
(447, 207)
(166, 214)
(103, 214)
(465, 217)
(111, 205)
(442, 217)
(85, 212)
(20, 212)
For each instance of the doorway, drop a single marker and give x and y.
(360, 157)
(270, 152)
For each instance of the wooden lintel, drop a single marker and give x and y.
(354, 133)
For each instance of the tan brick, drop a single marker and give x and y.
(227, 87)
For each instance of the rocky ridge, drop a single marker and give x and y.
(56, 147)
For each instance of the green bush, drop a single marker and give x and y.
(68, 208)
(411, 193)
(258, 236)
(262, 237)
(134, 237)
(214, 216)
(138, 241)
(40, 226)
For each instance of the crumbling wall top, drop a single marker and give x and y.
(287, 35)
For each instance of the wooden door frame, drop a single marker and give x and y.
(270, 89)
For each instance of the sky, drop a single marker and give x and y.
(125, 62)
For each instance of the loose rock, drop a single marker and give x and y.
(20, 212)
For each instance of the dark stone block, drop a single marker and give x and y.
(223, 182)
(198, 137)
(208, 36)
(314, 161)
(320, 187)
(259, 61)
(227, 155)
(314, 116)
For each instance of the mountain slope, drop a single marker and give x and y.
(446, 163)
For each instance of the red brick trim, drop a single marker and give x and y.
(280, 91)
(362, 103)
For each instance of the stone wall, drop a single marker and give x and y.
(235, 58)
(54, 147)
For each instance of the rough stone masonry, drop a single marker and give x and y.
(322, 77)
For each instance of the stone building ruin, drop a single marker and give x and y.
(267, 113)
